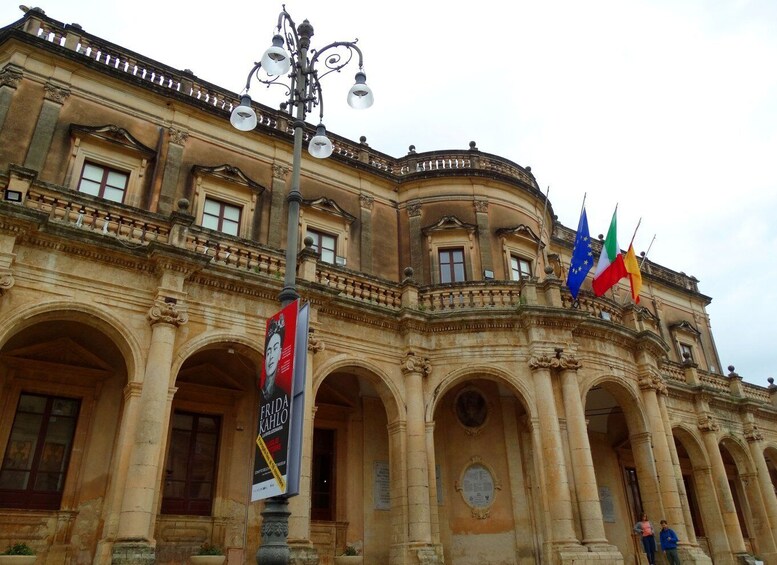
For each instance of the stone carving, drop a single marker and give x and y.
(166, 313)
(652, 380)
(428, 556)
(366, 201)
(414, 208)
(9, 76)
(559, 361)
(303, 556)
(413, 364)
(178, 136)
(481, 206)
(315, 344)
(279, 171)
(707, 423)
(6, 282)
(752, 433)
(56, 93)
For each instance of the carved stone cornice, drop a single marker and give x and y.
(280, 171)
(10, 76)
(166, 313)
(366, 201)
(55, 93)
(707, 423)
(414, 208)
(412, 364)
(178, 136)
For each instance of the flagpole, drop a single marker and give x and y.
(542, 227)
(648, 251)
(585, 194)
(635, 232)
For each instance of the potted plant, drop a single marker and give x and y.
(18, 554)
(350, 556)
(208, 554)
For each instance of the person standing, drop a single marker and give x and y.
(669, 543)
(645, 529)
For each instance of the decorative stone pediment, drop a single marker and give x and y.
(449, 223)
(521, 231)
(329, 206)
(112, 134)
(685, 326)
(229, 174)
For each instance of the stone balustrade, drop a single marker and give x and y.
(474, 295)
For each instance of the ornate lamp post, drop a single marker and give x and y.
(299, 66)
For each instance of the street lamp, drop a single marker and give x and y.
(304, 93)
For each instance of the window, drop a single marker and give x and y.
(38, 452)
(103, 182)
(324, 244)
(451, 265)
(323, 480)
(190, 474)
(520, 268)
(220, 216)
(686, 352)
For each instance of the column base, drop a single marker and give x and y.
(416, 553)
(133, 553)
(690, 554)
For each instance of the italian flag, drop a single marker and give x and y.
(610, 268)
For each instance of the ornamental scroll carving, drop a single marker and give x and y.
(559, 361)
(414, 364)
(178, 136)
(366, 201)
(707, 423)
(166, 313)
(414, 208)
(10, 77)
(752, 432)
(6, 282)
(279, 171)
(56, 93)
(481, 206)
(654, 381)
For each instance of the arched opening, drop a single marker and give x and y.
(485, 499)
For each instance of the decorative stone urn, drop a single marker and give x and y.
(207, 559)
(17, 559)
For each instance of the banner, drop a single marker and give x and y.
(276, 399)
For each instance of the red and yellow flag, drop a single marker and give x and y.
(632, 268)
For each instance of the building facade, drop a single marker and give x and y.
(462, 407)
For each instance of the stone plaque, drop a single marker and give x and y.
(608, 505)
(478, 486)
(381, 493)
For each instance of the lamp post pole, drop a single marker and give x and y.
(304, 93)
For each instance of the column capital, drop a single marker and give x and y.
(366, 201)
(481, 205)
(56, 93)
(541, 362)
(707, 423)
(413, 363)
(10, 76)
(166, 313)
(414, 208)
(651, 380)
(558, 361)
(752, 432)
(280, 171)
(178, 136)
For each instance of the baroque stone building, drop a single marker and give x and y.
(462, 408)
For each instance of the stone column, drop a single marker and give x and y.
(135, 543)
(754, 439)
(433, 501)
(365, 244)
(277, 205)
(10, 77)
(651, 384)
(419, 515)
(561, 531)
(176, 141)
(54, 98)
(301, 549)
(582, 463)
(732, 531)
(398, 478)
(715, 528)
(416, 241)
(761, 528)
(484, 237)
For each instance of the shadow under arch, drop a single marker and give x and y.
(692, 444)
(384, 386)
(249, 347)
(625, 394)
(739, 453)
(496, 374)
(126, 341)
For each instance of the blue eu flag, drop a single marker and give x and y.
(582, 257)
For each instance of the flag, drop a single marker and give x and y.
(582, 256)
(610, 268)
(632, 267)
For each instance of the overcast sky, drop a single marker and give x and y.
(668, 108)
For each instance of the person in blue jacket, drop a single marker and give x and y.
(669, 543)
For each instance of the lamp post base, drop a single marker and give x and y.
(275, 531)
